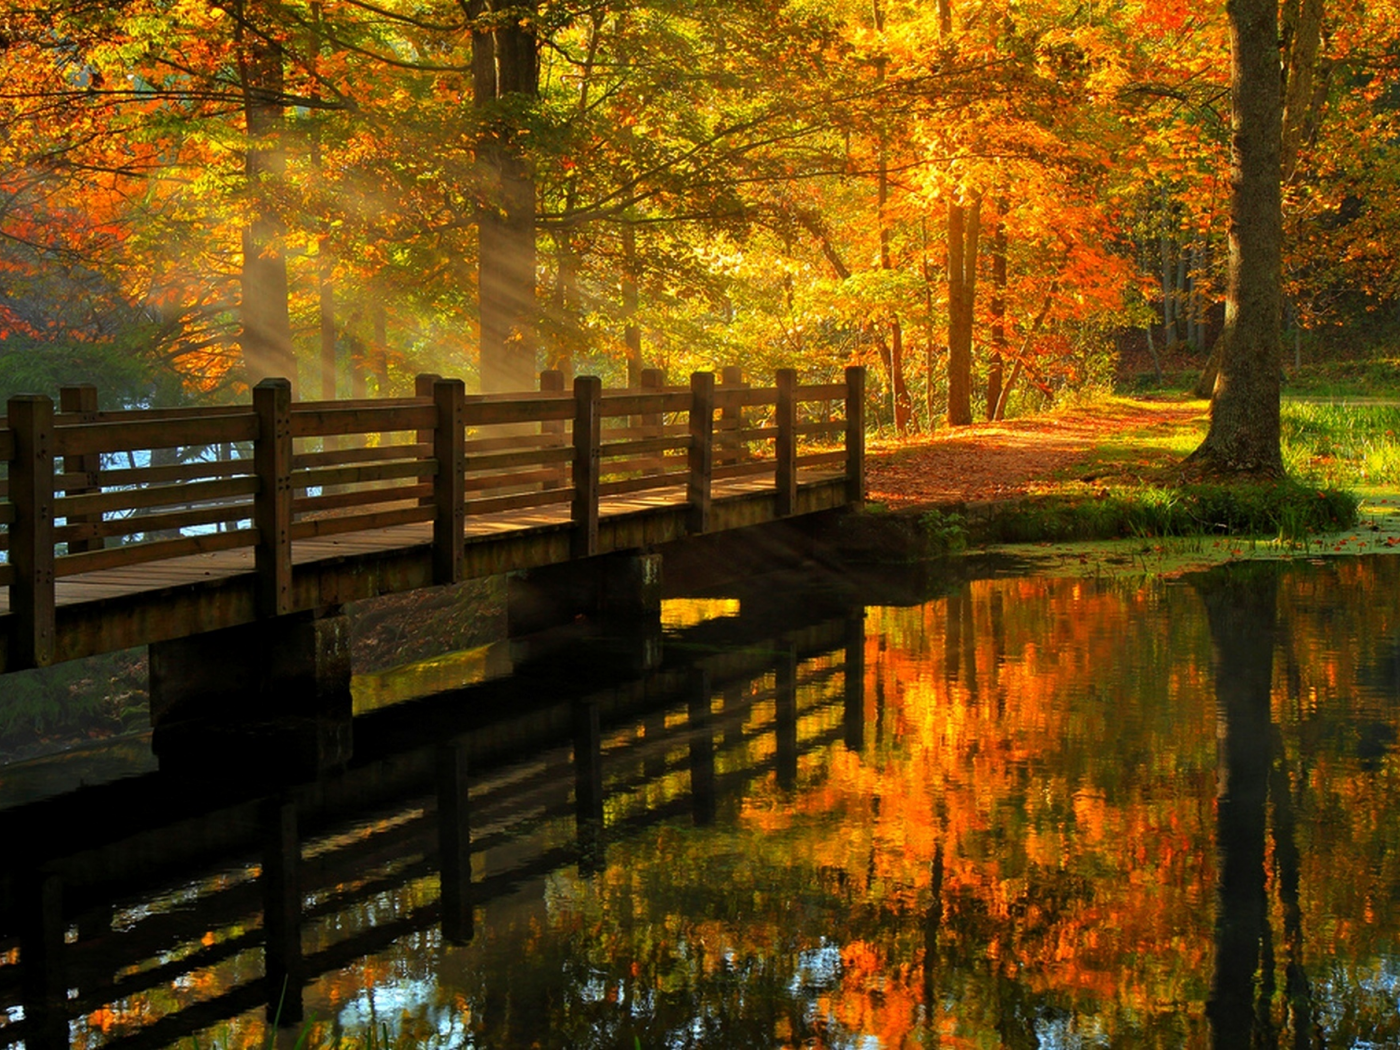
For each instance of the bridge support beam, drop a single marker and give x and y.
(271, 696)
(622, 588)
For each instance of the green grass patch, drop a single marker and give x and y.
(1342, 443)
(1288, 510)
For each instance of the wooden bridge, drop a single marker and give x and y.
(142, 527)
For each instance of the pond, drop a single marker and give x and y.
(1027, 812)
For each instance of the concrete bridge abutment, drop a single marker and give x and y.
(271, 696)
(623, 588)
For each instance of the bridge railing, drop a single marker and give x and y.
(88, 491)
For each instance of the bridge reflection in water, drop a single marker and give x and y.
(182, 905)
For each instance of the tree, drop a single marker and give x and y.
(505, 75)
(1244, 415)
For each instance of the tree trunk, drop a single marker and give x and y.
(998, 353)
(1305, 78)
(1244, 418)
(267, 327)
(505, 64)
(631, 332)
(964, 229)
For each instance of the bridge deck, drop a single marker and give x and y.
(134, 580)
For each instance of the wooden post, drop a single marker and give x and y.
(731, 418)
(653, 382)
(588, 436)
(44, 985)
(449, 489)
(785, 472)
(281, 893)
(785, 717)
(454, 843)
(31, 534)
(272, 506)
(854, 706)
(855, 434)
(702, 747)
(422, 387)
(588, 787)
(702, 449)
(81, 399)
(552, 382)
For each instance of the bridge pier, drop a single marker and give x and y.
(621, 588)
(271, 696)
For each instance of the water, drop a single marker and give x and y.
(1031, 812)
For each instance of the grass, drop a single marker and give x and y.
(1342, 444)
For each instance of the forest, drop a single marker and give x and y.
(983, 201)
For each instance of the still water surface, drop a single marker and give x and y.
(1032, 812)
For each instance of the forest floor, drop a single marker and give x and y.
(990, 462)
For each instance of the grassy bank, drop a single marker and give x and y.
(1342, 456)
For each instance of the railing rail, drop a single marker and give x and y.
(88, 490)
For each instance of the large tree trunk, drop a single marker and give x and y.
(505, 64)
(964, 230)
(1244, 417)
(266, 320)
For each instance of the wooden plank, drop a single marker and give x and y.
(7, 442)
(125, 416)
(729, 448)
(142, 433)
(640, 464)
(476, 446)
(146, 523)
(155, 551)
(650, 481)
(785, 469)
(744, 470)
(513, 480)
(647, 431)
(354, 404)
(7, 513)
(80, 472)
(272, 506)
(484, 410)
(198, 470)
(855, 434)
(821, 392)
(359, 498)
(547, 498)
(31, 554)
(645, 404)
(362, 473)
(525, 458)
(383, 519)
(588, 392)
(449, 493)
(701, 454)
(76, 508)
(747, 397)
(361, 418)
(755, 435)
(338, 457)
(646, 447)
(822, 459)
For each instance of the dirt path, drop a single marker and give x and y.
(992, 461)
